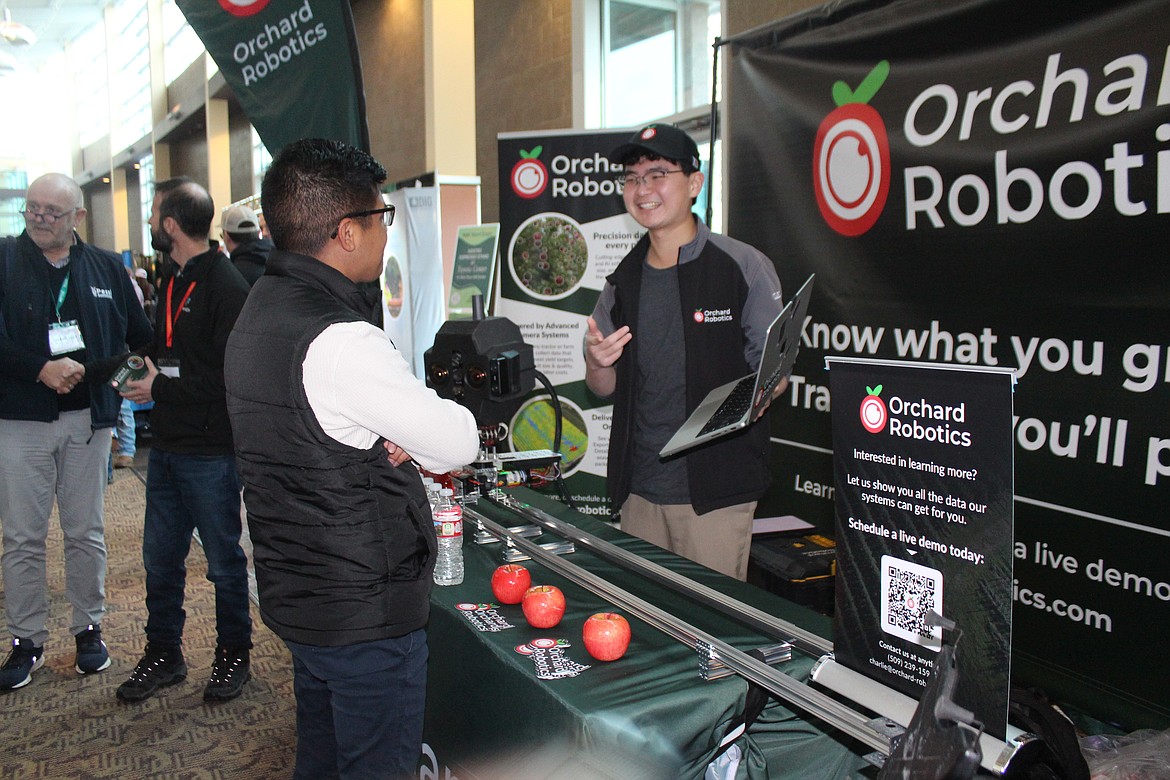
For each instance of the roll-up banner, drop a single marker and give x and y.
(563, 229)
(293, 65)
(987, 182)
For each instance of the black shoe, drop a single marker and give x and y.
(229, 673)
(161, 665)
(24, 659)
(92, 653)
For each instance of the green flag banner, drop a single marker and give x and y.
(293, 65)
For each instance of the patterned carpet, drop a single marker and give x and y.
(64, 725)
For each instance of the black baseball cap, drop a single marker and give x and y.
(663, 140)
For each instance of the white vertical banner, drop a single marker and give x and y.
(412, 278)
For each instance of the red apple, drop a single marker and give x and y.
(606, 635)
(543, 605)
(509, 582)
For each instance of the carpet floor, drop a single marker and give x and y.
(64, 725)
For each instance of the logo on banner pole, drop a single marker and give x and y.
(873, 410)
(851, 157)
(529, 175)
(243, 7)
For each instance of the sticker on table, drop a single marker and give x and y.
(549, 658)
(484, 617)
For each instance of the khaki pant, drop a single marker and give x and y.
(720, 539)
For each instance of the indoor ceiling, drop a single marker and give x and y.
(53, 22)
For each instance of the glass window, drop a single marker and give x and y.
(656, 58)
(130, 85)
(261, 159)
(146, 192)
(91, 85)
(182, 45)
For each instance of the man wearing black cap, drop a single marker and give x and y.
(684, 312)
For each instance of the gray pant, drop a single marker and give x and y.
(39, 461)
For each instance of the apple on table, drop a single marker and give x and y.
(510, 582)
(543, 605)
(606, 635)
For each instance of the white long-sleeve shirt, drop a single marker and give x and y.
(361, 389)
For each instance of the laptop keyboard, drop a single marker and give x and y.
(737, 402)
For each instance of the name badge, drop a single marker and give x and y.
(65, 337)
(169, 367)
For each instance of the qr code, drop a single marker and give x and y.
(909, 592)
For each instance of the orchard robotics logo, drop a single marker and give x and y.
(873, 410)
(243, 7)
(851, 157)
(529, 176)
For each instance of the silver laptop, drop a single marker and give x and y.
(735, 405)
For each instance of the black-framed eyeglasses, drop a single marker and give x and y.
(387, 213)
(48, 217)
(652, 177)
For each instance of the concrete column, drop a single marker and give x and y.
(449, 52)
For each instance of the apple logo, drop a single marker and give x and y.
(529, 175)
(851, 158)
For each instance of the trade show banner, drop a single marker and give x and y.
(563, 229)
(474, 268)
(923, 484)
(987, 183)
(293, 65)
(412, 275)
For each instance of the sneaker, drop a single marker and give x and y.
(123, 461)
(24, 659)
(92, 653)
(229, 673)
(161, 665)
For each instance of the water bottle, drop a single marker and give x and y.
(449, 530)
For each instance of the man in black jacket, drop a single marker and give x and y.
(343, 537)
(67, 312)
(191, 480)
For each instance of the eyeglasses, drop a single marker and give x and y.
(48, 217)
(652, 178)
(387, 213)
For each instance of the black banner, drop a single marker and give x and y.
(293, 65)
(987, 182)
(923, 459)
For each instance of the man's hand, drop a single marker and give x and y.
(781, 386)
(62, 374)
(138, 390)
(395, 454)
(604, 351)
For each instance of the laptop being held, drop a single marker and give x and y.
(738, 403)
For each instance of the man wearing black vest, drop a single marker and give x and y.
(653, 347)
(344, 543)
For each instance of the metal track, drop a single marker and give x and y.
(805, 641)
(783, 686)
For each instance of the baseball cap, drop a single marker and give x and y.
(663, 140)
(240, 219)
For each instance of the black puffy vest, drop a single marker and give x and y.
(344, 541)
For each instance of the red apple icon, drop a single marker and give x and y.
(509, 582)
(873, 410)
(851, 158)
(543, 605)
(606, 636)
(529, 175)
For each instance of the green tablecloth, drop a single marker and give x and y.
(647, 715)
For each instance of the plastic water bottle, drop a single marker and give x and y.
(449, 530)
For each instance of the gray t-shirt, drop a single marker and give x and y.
(660, 388)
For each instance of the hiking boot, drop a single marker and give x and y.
(229, 673)
(24, 659)
(92, 653)
(161, 665)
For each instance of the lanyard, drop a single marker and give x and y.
(61, 295)
(173, 320)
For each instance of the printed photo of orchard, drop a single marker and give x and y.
(548, 256)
